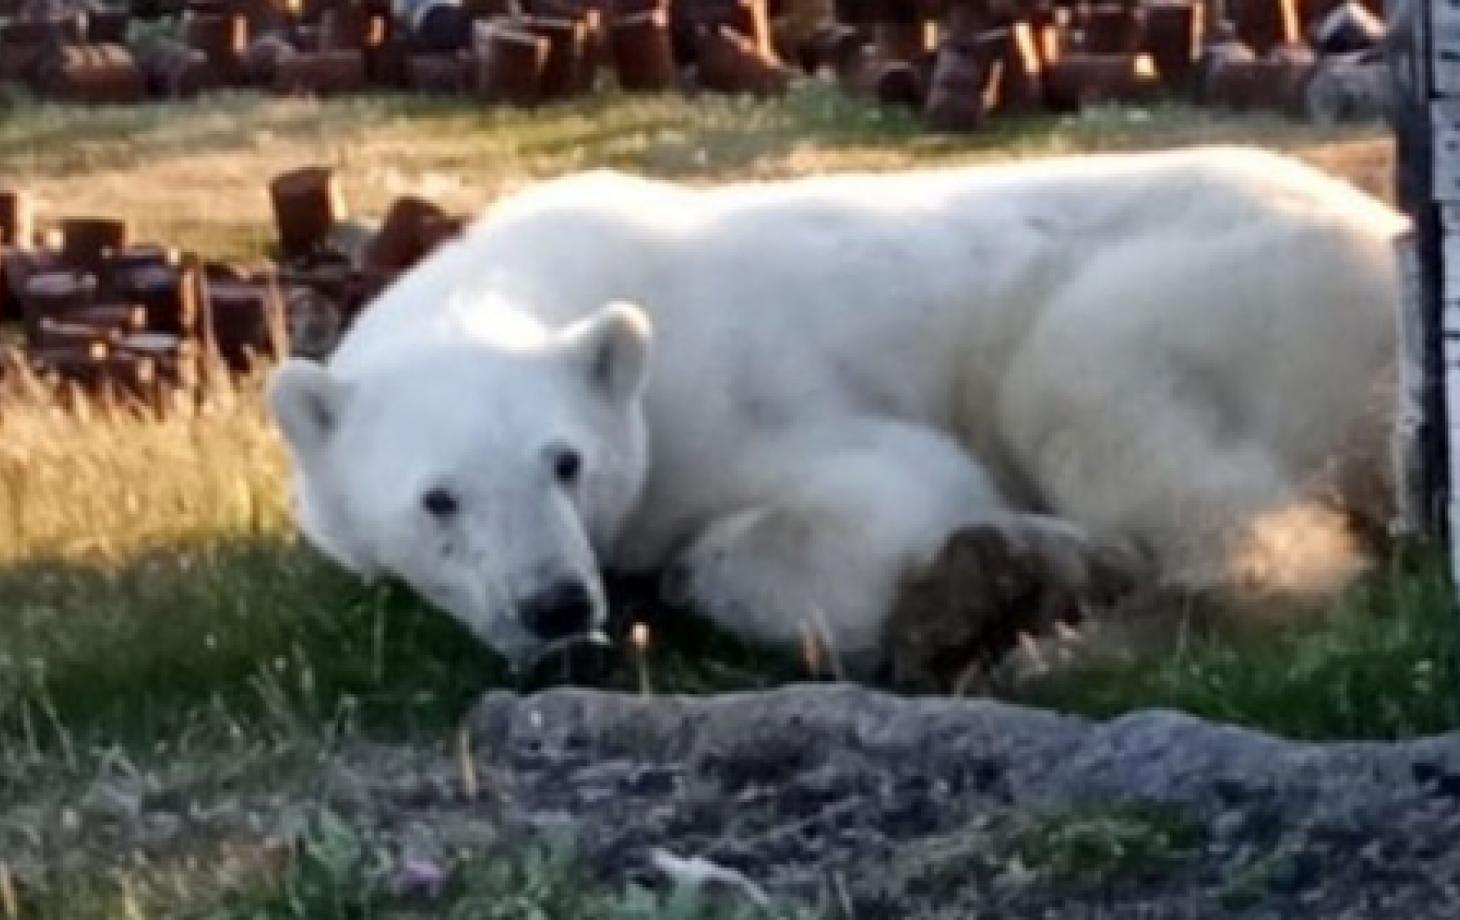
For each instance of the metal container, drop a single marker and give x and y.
(1080, 79)
(1173, 37)
(95, 74)
(958, 97)
(88, 242)
(17, 218)
(223, 37)
(642, 55)
(733, 63)
(307, 204)
(321, 73)
(53, 295)
(510, 65)
(567, 39)
(446, 74)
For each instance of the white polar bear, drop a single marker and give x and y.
(1150, 352)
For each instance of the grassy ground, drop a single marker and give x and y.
(196, 172)
(158, 612)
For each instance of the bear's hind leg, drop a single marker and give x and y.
(823, 556)
(1207, 512)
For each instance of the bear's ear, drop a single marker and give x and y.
(612, 348)
(306, 401)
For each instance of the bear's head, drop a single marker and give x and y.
(489, 478)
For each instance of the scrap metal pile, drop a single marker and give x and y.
(957, 61)
(521, 52)
(95, 310)
(1318, 58)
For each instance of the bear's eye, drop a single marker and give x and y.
(439, 503)
(567, 465)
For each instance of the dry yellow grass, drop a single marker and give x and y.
(101, 484)
(195, 174)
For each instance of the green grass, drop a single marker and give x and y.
(1384, 662)
(266, 622)
(1100, 844)
(1093, 846)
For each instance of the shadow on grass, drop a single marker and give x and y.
(244, 624)
(262, 626)
(265, 627)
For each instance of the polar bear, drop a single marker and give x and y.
(785, 396)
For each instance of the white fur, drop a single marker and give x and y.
(1155, 348)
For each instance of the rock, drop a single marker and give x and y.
(786, 786)
(914, 808)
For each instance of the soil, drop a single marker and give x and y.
(877, 806)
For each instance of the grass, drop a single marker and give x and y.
(1384, 662)
(335, 871)
(158, 611)
(1093, 847)
(1098, 844)
(150, 162)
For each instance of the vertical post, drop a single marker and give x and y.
(1424, 60)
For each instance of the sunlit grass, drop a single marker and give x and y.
(100, 485)
(194, 173)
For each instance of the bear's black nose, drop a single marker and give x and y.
(564, 609)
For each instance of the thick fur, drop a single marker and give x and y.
(1158, 353)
